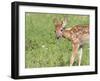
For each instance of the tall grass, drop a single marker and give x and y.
(42, 49)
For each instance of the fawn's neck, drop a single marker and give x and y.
(66, 33)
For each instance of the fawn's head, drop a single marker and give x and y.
(59, 27)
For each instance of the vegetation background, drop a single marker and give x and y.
(42, 49)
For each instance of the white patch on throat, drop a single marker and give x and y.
(68, 29)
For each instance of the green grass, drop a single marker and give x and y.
(42, 49)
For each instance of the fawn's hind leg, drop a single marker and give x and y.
(80, 56)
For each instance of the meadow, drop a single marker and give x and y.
(42, 49)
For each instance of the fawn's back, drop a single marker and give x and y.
(78, 33)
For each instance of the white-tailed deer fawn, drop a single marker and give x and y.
(78, 35)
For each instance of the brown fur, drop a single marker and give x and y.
(77, 34)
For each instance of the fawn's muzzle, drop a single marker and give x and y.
(58, 35)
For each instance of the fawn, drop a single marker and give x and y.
(78, 35)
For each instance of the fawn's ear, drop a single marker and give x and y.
(64, 22)
(55, 21)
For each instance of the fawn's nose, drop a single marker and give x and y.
(57, 37)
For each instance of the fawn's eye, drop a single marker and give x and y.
(61, 29)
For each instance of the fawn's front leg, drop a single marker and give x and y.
(75, 47)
